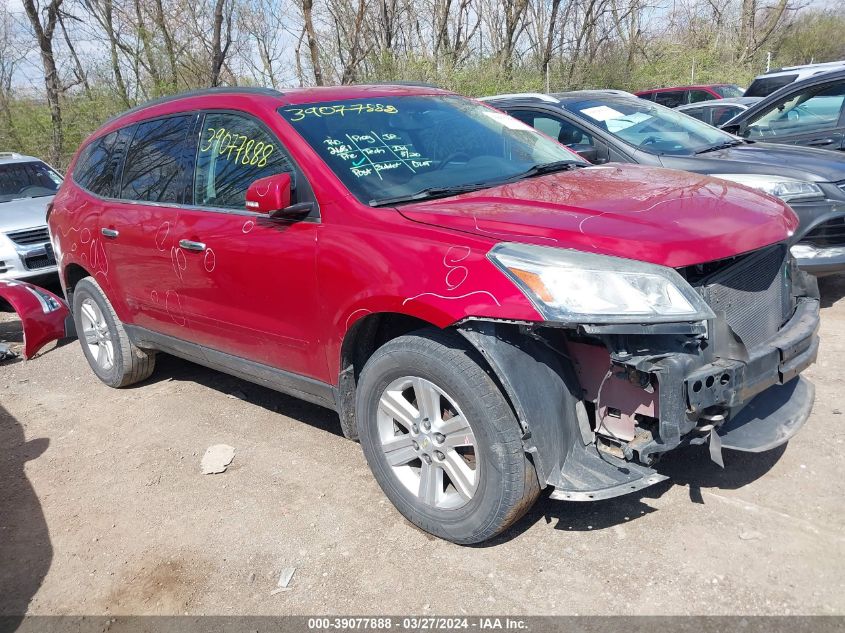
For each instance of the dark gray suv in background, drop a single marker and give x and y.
(609, 126)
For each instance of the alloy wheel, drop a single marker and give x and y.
(428, 442)
(97, 335)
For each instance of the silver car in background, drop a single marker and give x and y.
(718, 112)
(27, 185)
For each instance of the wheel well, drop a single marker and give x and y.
(363, 338)
(74, 273)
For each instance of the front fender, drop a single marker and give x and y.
(45, 317)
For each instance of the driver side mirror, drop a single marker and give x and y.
(272, 196)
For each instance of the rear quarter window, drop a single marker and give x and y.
(764, 86)
(97, 168)
(157, 162)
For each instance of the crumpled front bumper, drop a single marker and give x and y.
(747, 400)
(767, 401)
(45, 317)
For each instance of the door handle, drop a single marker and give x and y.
(192, 246)
(109, 233)
(821, 141)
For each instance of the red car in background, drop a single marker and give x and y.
(682, 95)
(487, 313)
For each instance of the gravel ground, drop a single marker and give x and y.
(103, 510)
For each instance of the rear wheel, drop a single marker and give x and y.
(441, 439)
(110, 353)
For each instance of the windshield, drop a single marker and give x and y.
(27, 180)
(390, 148)
(651, 127)
(804, 111)
(729, 91)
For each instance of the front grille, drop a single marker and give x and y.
(753, 294)
(826, 234)
(28, 237)
(34, 262)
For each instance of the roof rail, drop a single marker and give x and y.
(410, 84)
(521, 95)
(267, 92)
(10, 155)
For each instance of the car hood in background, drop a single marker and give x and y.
(25, 213)
(805, 163)
(648, 214)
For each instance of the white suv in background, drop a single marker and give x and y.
(765, 84)
(27, 186)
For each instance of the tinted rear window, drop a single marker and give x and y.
(97, 167)
(156, 166)
(27, 180)
(764, 86)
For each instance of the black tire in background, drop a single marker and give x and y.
(507, 484)
(130, 364)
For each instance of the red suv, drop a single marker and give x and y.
(681, 95)
(488, 314)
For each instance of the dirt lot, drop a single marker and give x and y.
(103, 510)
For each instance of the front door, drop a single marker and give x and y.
(248, 283)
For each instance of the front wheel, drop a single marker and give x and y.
(441, 440)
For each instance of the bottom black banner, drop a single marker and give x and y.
(402, 624)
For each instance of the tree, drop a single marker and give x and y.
(44, 32)
(311, 34)
(219, 49)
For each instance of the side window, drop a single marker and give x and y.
(697, 113)
(670, 98)
(806, 111)
(155, 162)
(724, 114)
(563, 131)
(234, 151)
(97, 167)
(697, 96)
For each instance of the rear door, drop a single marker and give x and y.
(812, 116)
(138, 228)
(248, 283)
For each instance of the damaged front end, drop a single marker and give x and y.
(600, 403)
(44, 316)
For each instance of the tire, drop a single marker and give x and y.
(480, 435)
(107, 341)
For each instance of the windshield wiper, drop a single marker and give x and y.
(443, 192)
(548, 168)
(724, 145)
(430, 193)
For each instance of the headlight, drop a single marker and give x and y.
(787, 189)
(575, 287)
(48, 303)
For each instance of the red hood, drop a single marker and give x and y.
(661, 216)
